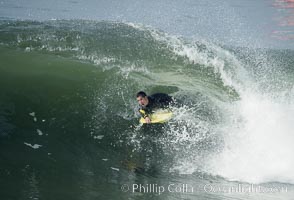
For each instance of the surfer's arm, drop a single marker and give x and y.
(143, 113)
(145, 116)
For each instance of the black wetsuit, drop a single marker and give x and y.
(155, 101)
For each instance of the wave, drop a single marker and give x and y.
(237, 112)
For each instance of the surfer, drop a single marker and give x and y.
(150, 103)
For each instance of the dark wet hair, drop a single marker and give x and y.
(141, 94)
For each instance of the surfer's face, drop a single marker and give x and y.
(143, 101)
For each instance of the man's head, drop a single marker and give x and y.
(142, 98)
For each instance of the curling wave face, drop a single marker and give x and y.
(68, 86)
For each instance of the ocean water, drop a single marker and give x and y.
(68, 115)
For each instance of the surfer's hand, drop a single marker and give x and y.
(147, 120)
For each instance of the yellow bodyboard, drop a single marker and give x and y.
(160, 116)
